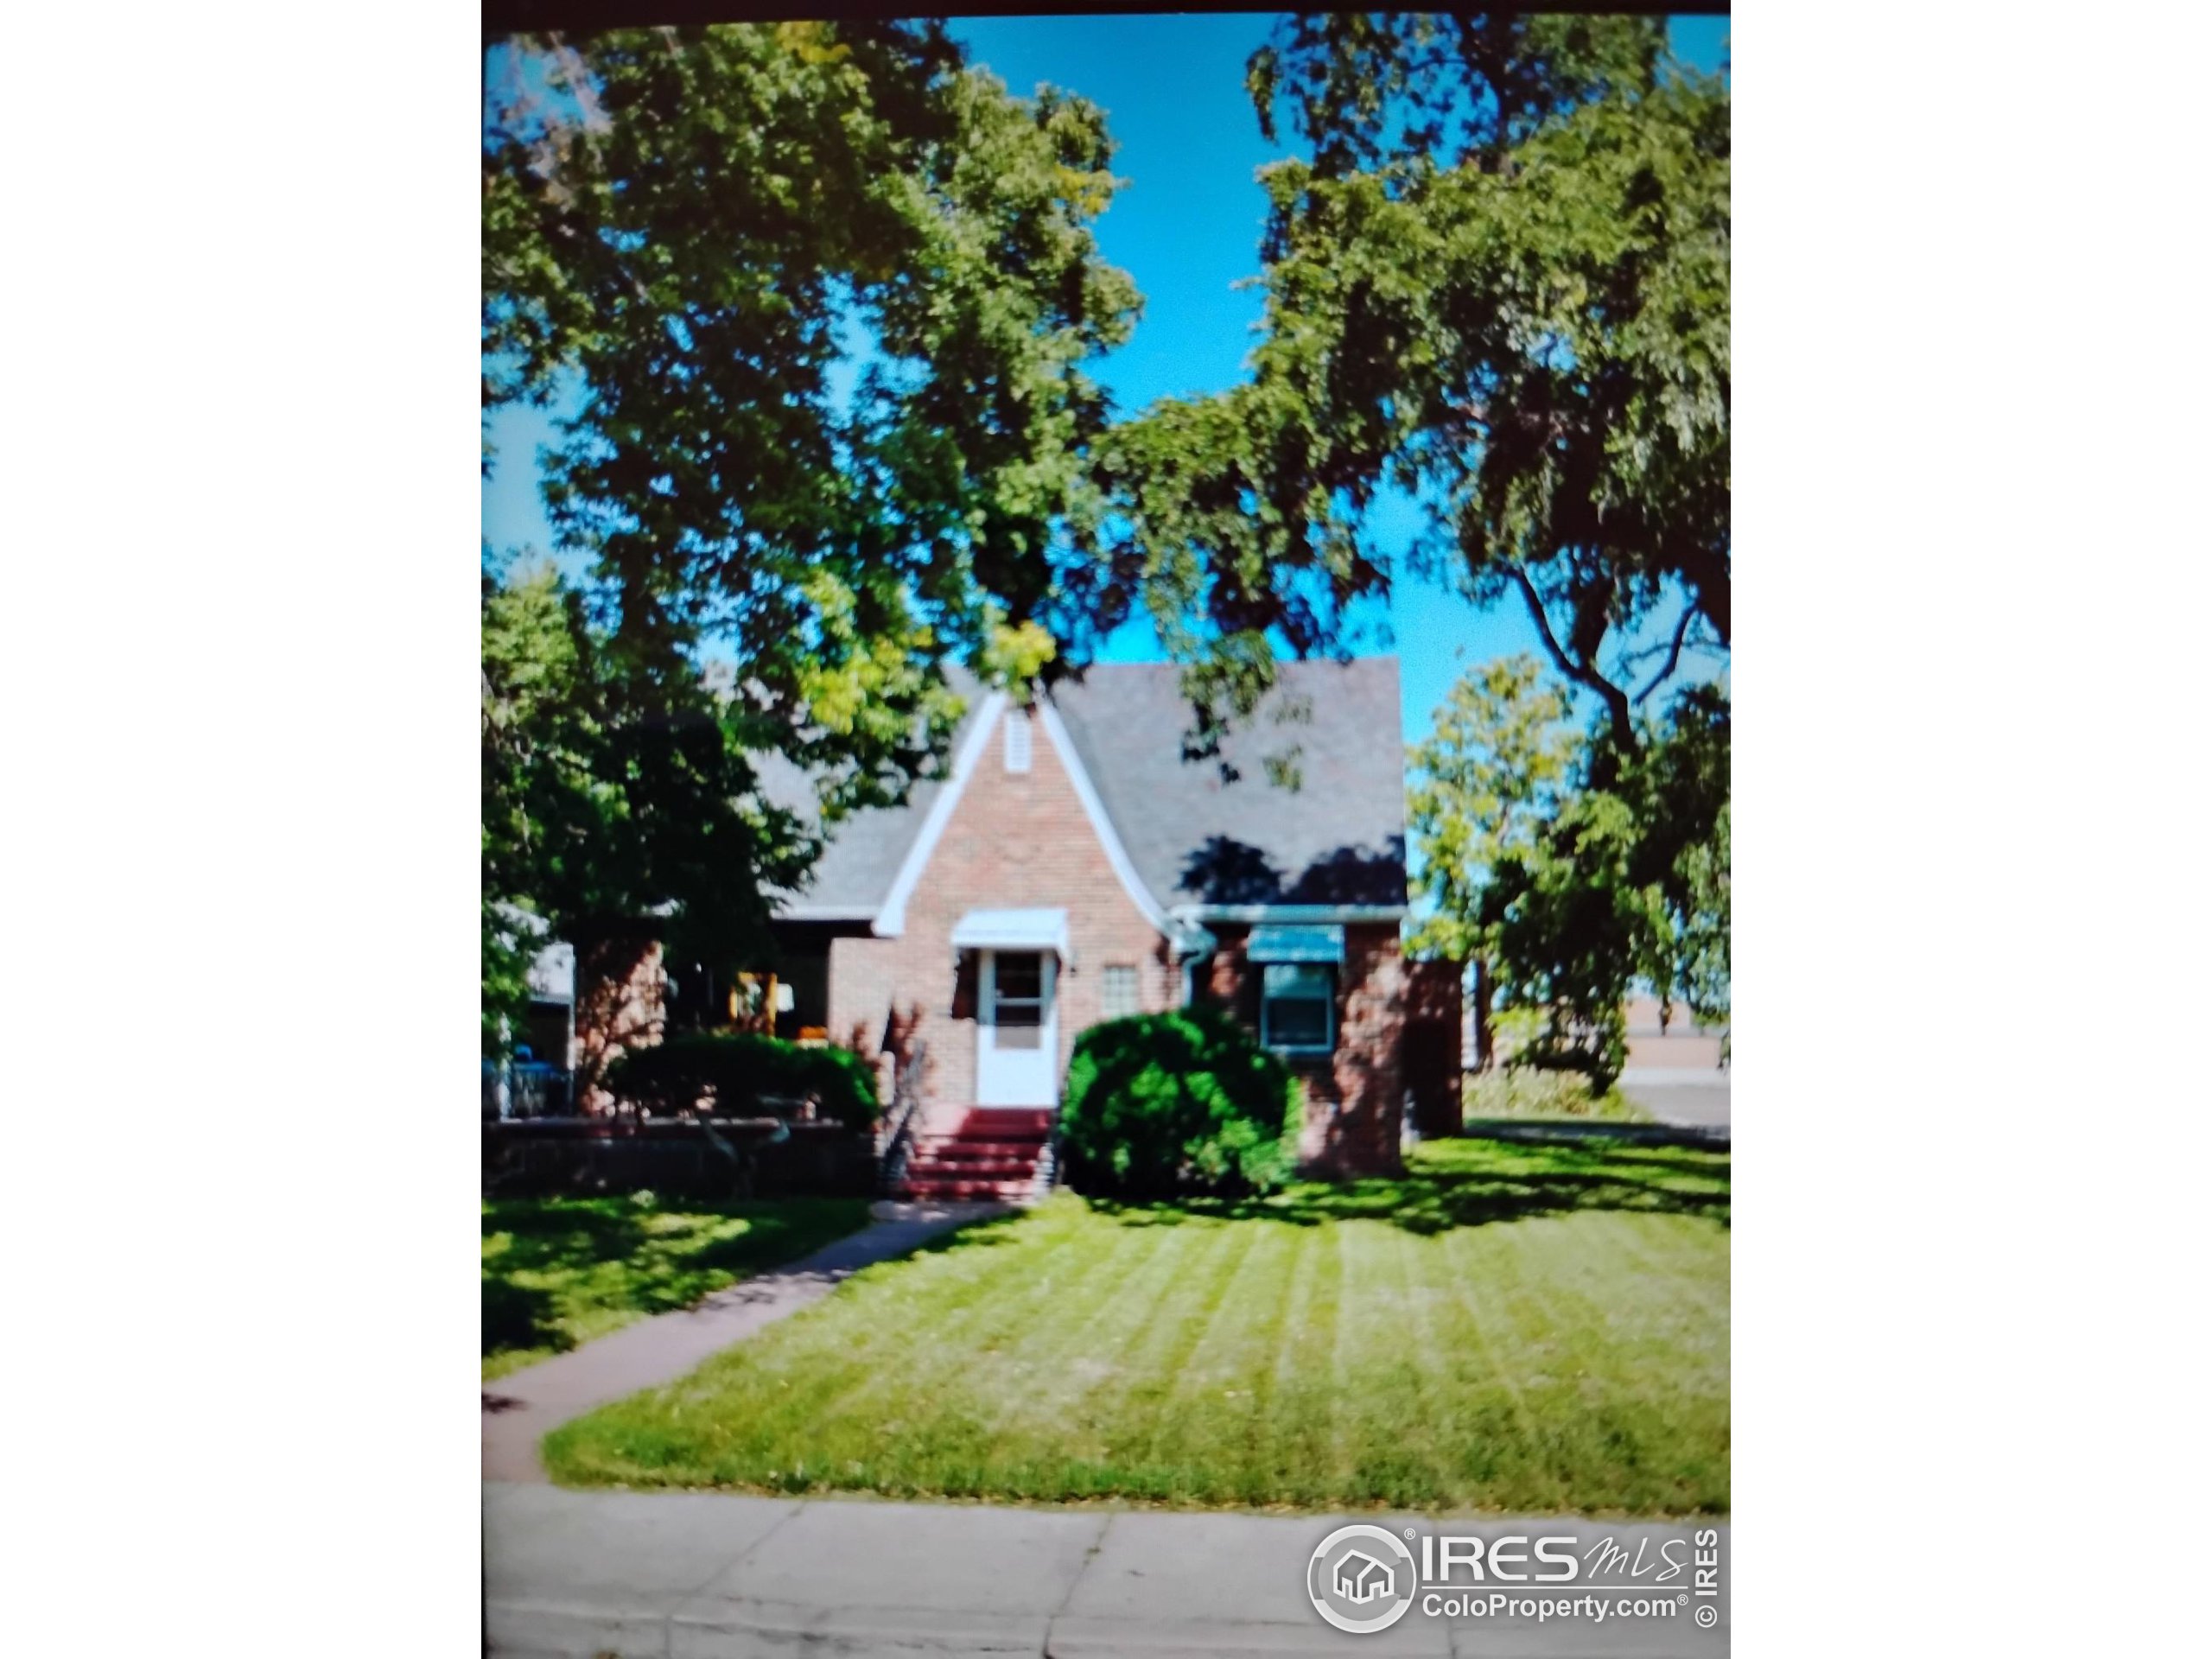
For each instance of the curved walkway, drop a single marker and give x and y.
(521, 1408)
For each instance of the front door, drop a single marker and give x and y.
(1017, 1033)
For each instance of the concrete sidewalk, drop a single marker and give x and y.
(686, 1575)
(520, 1410)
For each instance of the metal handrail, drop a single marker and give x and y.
(898, 1144)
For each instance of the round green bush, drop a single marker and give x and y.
(1164, 1104)
(744, 1074)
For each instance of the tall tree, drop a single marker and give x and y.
(1485, 785)
(1498, 284)
(612, 792)
(820, 295)
(1568, 869)
(814, 300)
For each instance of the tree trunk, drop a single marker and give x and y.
(1485, 1040)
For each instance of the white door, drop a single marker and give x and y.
(1017, 1030)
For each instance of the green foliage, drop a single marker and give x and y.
(1571, 868)
(1179, 1103)
(690, 238)
(693, 229)
(742, 1074)
(503, 959)
(1499, 755)
(1698, 972)
(613, 790)
(1500, 286)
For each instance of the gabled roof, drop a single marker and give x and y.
(856, 871)
(1191, 837)
(1338, 839)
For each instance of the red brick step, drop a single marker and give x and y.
(988, 1153)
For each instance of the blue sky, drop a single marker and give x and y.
(1187, 226)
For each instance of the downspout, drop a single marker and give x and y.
(1191, 944)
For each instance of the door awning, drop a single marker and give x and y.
(1013, 930)
(1305, 942)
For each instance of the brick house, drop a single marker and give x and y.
(1074, 867)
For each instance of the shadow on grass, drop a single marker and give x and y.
(1472, 1182)
(516, 1317)
(609, 1252)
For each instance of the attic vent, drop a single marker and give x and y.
(1017, 741)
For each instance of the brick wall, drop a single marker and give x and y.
(1355, 1097)
(1015, 839)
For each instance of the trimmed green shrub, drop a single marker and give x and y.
(1161, 1104)
(744, 1074)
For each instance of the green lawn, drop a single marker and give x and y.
(561, 1271)
(1539, 1326)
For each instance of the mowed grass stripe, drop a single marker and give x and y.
(1298, 1430)
(1047, 1375)
(1513, 1327)
(1145, 1424)
(1628, 1397)
(1514, 1447)
(985, 1356)
(1203, 1445)
(809, 1388)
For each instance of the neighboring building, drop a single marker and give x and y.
(550, 1027)
(1074, 867)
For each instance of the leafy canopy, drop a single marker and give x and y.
(1498, 284)
(1571, 869)
(824, 294)
(816, 298)
(613, 790)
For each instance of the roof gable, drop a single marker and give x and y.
(1183, 833)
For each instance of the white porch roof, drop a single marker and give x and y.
(1013, 930)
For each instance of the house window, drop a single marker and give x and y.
(1017, 999)
(1017, 741)
(1118, 990)
(1298, 1007)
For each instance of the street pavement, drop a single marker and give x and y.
(1693, 1099)
(704, 1575)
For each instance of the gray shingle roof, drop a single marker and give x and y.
(1338, 839)
(855, 870)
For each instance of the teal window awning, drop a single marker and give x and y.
(1307, 943)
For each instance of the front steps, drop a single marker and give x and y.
(976, 1154)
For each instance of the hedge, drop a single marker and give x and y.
(744, 1074)
(1163, 1104)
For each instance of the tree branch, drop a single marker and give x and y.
(1580, 670)
(1674, 656)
